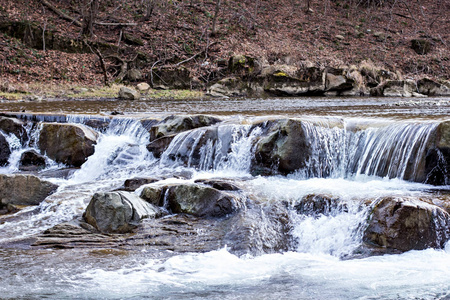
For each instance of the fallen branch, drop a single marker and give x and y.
(195, 55)
(115, 24)
(189, 59)
(60, 13)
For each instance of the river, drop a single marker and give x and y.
(320, 266)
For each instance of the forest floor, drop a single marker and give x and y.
(178, 33)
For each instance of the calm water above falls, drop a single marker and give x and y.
(315, 269)
(423, 108)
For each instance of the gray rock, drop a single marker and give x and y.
(218, 184)
(201, 201)
(129, 94)
(159, 145)
(117, 212)
(70, 144)
(24, 189)
(316, 204)
(229, 87)
(337, 82)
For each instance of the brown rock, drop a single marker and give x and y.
(70, 144)
(407, 224)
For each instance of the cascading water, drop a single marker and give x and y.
(350, 163)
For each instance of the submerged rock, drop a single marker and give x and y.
(315, 204)
(117, 212)
(24, 189)
(70, 144)
(397, 224)
(159, 145)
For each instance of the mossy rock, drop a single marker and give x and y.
(242, 65)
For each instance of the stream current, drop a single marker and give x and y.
(318, 268)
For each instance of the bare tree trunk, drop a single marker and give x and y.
(216, 13)
(89, 11)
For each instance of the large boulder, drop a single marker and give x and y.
(70, 144)
(397, 224)
(117, 212)
(159, 145)
(24, 189)
(5, 152)
(283, 148)
(194, 199)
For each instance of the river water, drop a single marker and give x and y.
(318, 268)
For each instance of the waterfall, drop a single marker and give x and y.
(118, 152)
(395, 151)
(392, 149)
(222, 147)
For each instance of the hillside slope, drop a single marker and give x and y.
(38, 44)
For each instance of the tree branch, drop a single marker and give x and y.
(60, 13)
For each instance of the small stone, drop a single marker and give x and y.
(128, 93)
(378, 34)
(143, 86)
(339, 37)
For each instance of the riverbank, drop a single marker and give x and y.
(177, 47)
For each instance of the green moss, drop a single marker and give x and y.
(11, 96)
(280, 74)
